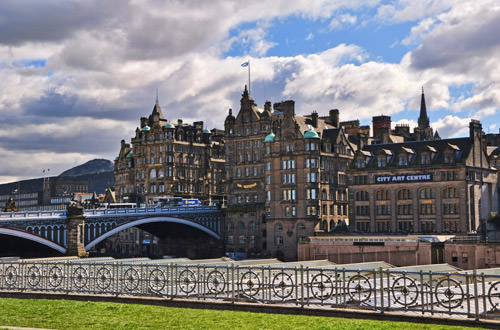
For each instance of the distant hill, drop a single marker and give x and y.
(93, 166)
(97, 172)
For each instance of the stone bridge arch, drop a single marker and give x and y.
(32, 237)
(151, 220)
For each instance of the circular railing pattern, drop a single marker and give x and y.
(216, 282)
(250, 283)
(103, 278)
(404, 291)
(55, 276)
(11, 275)
(80, 277)
(494, 295)
(449, 293)
(33, 275)
(187, 281)
(157, 280)
(322, 286)
(282, 285)
(131, 279)
(359, 288)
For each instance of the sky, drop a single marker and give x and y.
(77, 75)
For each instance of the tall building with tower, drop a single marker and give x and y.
(171, 159)
(286, 177)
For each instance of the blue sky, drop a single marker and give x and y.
(77, 75)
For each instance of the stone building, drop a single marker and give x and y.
(438, 186)
(383, 133)
(286, 177)
(167, 159)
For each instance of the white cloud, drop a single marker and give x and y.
(342, 21)
(102, 72)
(452, 126)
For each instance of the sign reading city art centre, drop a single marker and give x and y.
(403, 178)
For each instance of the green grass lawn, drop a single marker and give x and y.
(67, 314)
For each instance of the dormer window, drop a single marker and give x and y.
(360, 163)
(449, 157)
(425, 159)
(381, 162)
(403, 160)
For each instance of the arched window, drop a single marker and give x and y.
(301, 226)
(427, 193)
(152, 174)
(161, 173)
(332, 224)
(404, 194)
(382, 195)
(279, 227)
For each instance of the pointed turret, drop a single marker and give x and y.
(423, 119)
(157, 109)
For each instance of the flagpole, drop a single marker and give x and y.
(248, 77)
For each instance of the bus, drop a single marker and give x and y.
(175, 201)
(118, 205)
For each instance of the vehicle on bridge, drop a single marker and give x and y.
(175, 201)
(118, 205)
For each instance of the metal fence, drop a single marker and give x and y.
(468, 294)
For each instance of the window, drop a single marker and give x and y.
(381, 162)
(363, 210)
(279, 240)
(450, 192)
(311, 177)
(161, 173)
(279, 227)
(152, 174)
(403, 160)
(362, 196)
(425, 159)
(405, 209)
(404, 194)
(311, 193)
(449, 158)
(450, 208)
(161, 187)
(427, 193)
(268, 179)
(301, 226)
(382, 195)
(360, 163)
(268, 166)
(238, 172)
(255, 171)
(311, 163)
(383, 210)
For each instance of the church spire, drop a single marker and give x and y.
(423, 119)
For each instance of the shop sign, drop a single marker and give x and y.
(403, 178)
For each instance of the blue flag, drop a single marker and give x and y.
(245, 64)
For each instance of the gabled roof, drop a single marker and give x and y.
(416, 148)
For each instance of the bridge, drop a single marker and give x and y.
(57, 232)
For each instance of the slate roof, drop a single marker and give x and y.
(461, 147)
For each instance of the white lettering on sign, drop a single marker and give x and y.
(403, 178)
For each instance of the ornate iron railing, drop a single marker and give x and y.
(467, 294)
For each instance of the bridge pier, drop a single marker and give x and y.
(75, 235)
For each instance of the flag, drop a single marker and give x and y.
(244, 65)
